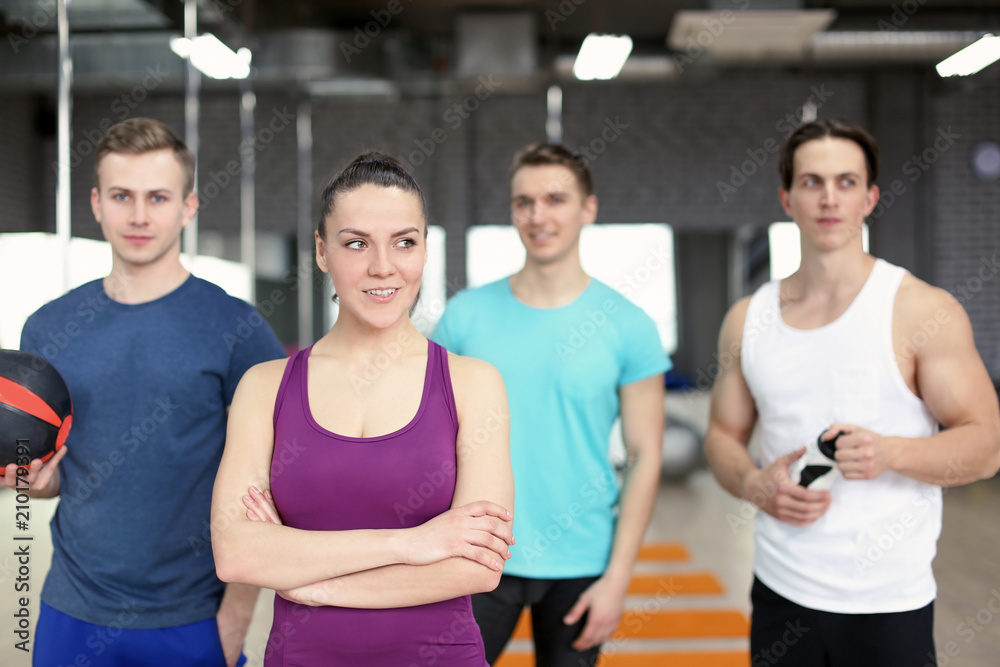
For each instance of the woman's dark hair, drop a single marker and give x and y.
(372, 168)
(818, 129)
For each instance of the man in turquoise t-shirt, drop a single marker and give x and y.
(574, 355)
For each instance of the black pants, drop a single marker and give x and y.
(550, 600)
(784, 633)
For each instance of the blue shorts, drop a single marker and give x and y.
(63, 641)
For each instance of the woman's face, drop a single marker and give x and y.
(375, 252)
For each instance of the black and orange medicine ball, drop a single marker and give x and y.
(35, 408)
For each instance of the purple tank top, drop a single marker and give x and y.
(324, 481)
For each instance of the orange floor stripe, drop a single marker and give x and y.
(708, 659)
(672, 624)
(664, 551)
(686, 583)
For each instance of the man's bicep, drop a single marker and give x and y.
(951, 377)
(642, 413)
(732, 409)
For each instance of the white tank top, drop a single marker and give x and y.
(872, 551)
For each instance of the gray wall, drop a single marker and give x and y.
(663, 152)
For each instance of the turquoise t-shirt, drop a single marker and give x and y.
(563, 368)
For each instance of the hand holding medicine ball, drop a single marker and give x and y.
(36, 414)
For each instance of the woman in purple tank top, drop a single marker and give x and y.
(366, 480)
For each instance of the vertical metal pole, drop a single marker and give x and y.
(248, 217)
(553, 122)
(739, 269)
(65, 106)
(192, 94)
(305, 226)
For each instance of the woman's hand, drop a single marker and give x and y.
(479, 531)
(260, 506)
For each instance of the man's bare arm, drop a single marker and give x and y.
(733, 416)
(949, 376)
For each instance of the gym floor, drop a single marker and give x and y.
(694, 512)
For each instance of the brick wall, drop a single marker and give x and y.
(966, 210)
(20, 194)
(698, 153)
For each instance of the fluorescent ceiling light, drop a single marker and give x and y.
(972, 58)
(868, 46)
(636, 68)
(352, 87)
(213, 58)
(602, 56)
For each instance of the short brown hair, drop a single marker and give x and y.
(544, 154)
(142, 135)
(818, 129)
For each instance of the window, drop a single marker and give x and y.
(783, 243)
(635, 259)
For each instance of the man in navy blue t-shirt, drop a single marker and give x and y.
(151, 356)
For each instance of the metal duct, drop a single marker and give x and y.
(114, 60)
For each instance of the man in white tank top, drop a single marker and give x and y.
(859, 356)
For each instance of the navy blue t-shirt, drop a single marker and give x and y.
(150, 384)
